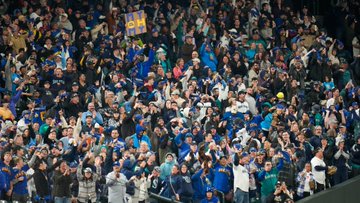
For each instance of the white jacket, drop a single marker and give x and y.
(117, 187)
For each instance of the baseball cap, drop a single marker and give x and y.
(253, 149)
(157, 168)
(189, 135)
(75, 84)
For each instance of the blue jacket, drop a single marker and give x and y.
(214, 199)
(172, 186)
(186, 186)
(7, 172)
(128, 168)
(200, 184)
(3, 186)
(13, 102)
(165, 169)
(205, 57)
(138, 139)
(144, 67)
(222, 178)
(266, 123)
(183, 147)
(20, 188)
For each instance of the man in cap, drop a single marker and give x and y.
(242, 104)
(210, 196)
(116, 181)
(73, 106)
(222, 175)
(175, 95)
(65, 23)
(241, 177)
(183, 140)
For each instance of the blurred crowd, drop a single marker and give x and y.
(219, 101)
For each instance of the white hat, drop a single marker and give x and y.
(88, 170)
(196, 60)
(233, 30)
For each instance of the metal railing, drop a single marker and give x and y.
(162, 199)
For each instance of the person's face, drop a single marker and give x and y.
(223, 161)
(47, 85)
(174, 105)
(55, 152)
(42, 166)
(70, 131)
(320, 154)
(169, 158)
(88, 119)
(116, 169)
(63, 167)
(114, 134)
(285, 136)
(271, 152)
(91, 107)
(44, 153)
(88, 175)
(174, 170)
(7, 157)
(155, 173)
(318, 131)
(144, 147)
(64, 132)
(52, 135)
(268, 166)
(33, 80)
(208, 138)
(305, 117)
(209, 195)
(183, 169)
(307, 167)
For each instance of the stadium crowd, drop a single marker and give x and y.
(219, 101)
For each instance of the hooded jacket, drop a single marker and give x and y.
(138, 138)
(208, 58)
(166, 167)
